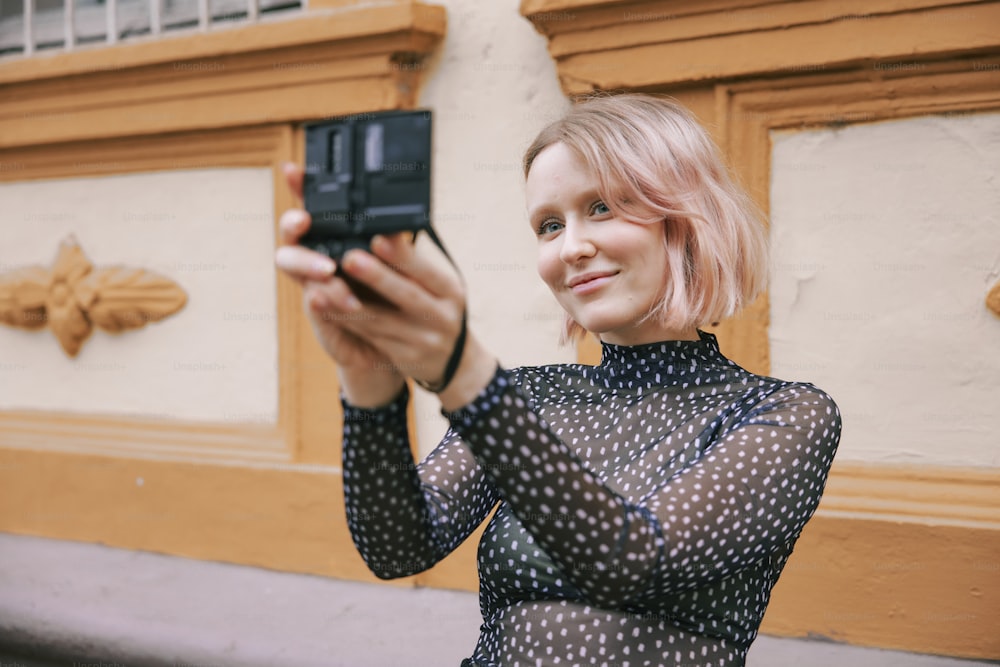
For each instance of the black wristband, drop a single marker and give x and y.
(452, 366)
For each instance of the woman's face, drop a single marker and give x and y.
(607, 273)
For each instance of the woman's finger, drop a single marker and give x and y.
(303, 264)
(294, 223)
(410, 326)
(315, 297)
(391, 284)
(400, 253)
(293, 176)
(331, 300)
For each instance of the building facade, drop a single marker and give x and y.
(195, 414)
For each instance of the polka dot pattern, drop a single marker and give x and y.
(646, 505)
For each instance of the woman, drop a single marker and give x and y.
(646, 505)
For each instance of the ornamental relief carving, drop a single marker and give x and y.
(73, 297)
(993, 299)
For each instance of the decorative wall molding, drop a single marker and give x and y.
(146, 438)
(266, 146)
(907, 493)
(325, 62)
(74, 297)
(993, 299)
(922, 587)
(748, 112)
(631, 44)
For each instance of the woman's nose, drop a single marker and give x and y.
(577, 243)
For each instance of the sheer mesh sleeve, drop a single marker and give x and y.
(752, 492)
(404, 517)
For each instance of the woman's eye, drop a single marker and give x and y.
(549, 226)
(599, 208)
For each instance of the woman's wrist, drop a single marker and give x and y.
(475, 371)
(370, 388)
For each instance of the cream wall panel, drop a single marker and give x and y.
(886, 239)
(492, 86)
(209, 230)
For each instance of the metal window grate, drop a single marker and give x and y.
(30, 27)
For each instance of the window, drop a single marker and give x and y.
(65, 24)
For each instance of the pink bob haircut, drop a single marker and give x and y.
(654, 162)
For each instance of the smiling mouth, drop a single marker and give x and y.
(589, 278)
(589, 282)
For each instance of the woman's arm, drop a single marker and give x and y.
(404, 517)
(751, 493)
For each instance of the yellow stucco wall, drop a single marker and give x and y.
(267, 491)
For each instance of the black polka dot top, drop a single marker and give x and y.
(646, 505)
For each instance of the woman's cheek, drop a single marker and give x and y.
(549, 268)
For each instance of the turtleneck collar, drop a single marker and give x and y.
(663, 359)
(676, 352)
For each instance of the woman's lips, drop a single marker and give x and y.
(590, 283)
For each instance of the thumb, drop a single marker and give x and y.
(293, 176)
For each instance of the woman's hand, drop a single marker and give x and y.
(409, 329)
(367, 376)
(417, 320)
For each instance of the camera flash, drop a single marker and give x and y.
(373, 147)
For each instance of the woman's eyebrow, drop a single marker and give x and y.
(538, 211)
(584, 198)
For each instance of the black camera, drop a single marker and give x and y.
(366, 174)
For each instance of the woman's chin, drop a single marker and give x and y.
(600, 327)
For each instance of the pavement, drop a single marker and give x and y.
(70, 604)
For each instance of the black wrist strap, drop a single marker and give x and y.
(456, 353)
(452, 366)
